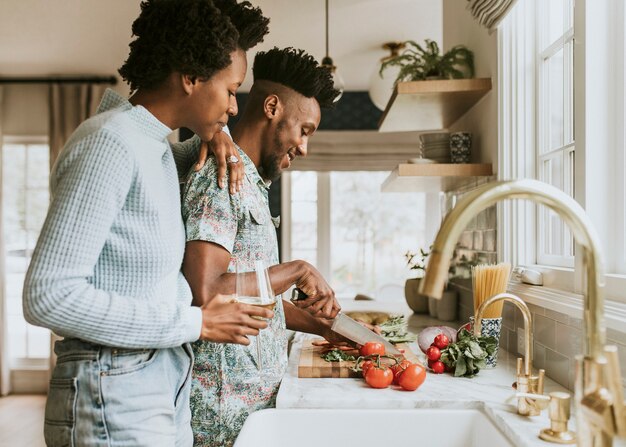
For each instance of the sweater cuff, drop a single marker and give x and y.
(193, 324)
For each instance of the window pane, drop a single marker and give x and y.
(304, 216)
(25, 199)
(556, 100)
(560, 18)
(304, 186)
(370, 232)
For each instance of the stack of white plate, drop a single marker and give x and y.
(436, 146)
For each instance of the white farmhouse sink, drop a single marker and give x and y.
(345, 427)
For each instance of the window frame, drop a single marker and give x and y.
(599, 122)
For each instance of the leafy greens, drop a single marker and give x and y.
(467, 355)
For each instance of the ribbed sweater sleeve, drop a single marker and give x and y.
(90, 187)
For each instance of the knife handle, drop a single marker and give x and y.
(298, 295)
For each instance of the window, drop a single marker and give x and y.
(555, 124)
(562, 115)
(25, 197)
(354, 234)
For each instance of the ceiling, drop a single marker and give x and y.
(42, 37)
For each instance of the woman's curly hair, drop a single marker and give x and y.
(296, 70)
(193, 37)
(249, 21)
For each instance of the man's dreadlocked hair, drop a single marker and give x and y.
(248, 20)
(296, 70)
(192, 37)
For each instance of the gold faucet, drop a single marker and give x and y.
(529, 387)
(599, 399)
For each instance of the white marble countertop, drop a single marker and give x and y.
(488, 391)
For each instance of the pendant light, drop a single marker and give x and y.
(327, 62)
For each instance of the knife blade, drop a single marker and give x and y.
(351, 329)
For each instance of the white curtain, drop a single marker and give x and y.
(4, 352)
(69, 105)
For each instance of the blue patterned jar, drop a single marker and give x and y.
(460, 147)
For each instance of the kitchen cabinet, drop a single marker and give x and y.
(431, 105)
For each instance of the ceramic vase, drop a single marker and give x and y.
(490, 327)
(416, 301)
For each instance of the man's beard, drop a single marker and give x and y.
(269, 168)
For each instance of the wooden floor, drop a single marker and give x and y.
(21, 421)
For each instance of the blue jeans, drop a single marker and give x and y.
(102, 396)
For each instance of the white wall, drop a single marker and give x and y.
(482, 120)
(54, 37)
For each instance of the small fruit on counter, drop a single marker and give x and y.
(372, 347)
(398, 369)
(438, 367)
(412, 377)
(433, 353)
(427, 336)
(441, 341)
(365, 366)
(379, 377)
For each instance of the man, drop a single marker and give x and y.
(281, 114)
(106, 270)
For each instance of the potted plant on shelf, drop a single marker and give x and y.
(419, 62)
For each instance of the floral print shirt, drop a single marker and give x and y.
(227, 385)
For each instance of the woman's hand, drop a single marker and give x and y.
(225, 154)
(224, 320)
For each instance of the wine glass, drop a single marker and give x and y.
(255, 290)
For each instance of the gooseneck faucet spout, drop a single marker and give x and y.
(601, 413)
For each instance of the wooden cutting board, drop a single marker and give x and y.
(311, 365)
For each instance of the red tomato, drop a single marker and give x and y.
(398, 369)
(438, 367)
(379, 377)
(365, 366)
(441, 341)
(433, 353)
(412, 377)
(372, 347)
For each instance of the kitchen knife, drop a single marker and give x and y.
(351, 329)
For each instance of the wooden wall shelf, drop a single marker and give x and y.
(431, 105)
(434, 177)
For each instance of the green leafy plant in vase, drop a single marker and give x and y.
(418, 63)
(446, 308)
(416, 263)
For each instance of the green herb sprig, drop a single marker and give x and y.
(467, 355)
(337, 355)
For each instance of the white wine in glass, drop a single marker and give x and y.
(256, 293)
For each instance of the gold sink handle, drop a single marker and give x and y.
(559, 414)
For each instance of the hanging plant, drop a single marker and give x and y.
(418, 63)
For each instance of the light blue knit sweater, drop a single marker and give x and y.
(106, 268)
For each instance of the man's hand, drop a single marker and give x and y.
(320, 301)
(227, 321)
(223, 148)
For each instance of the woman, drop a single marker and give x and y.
(106, 270)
